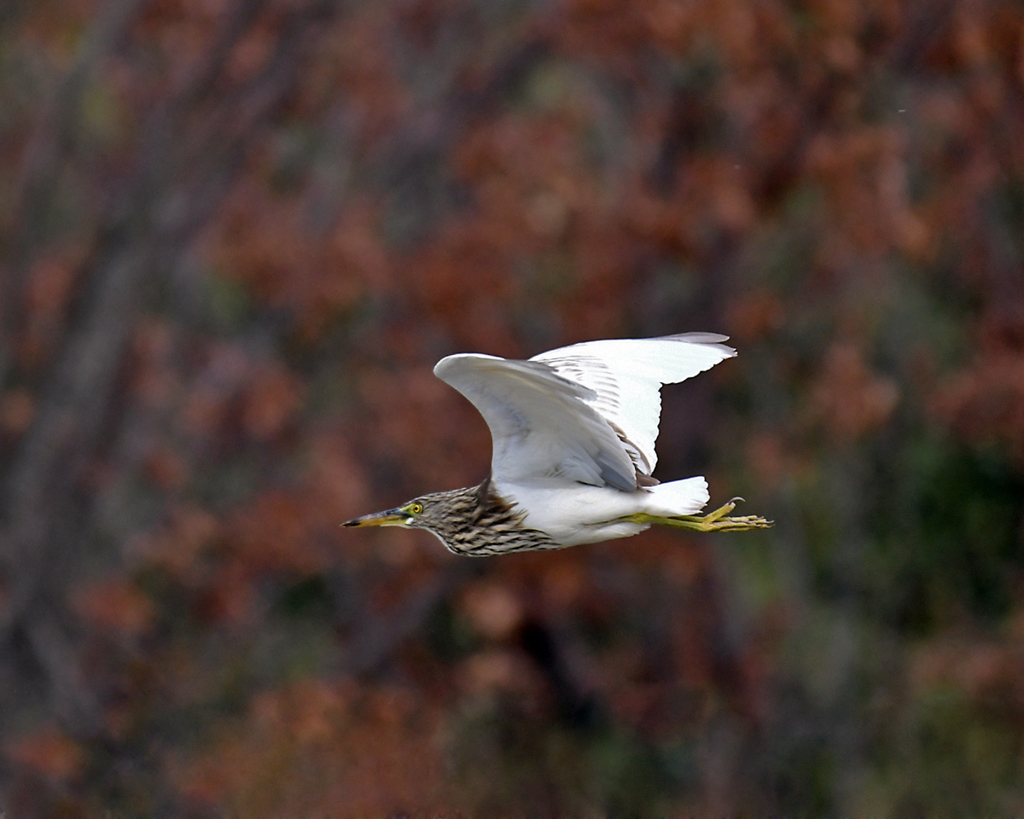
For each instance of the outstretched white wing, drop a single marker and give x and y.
(587, 413)
(626, 376)
(541, 424)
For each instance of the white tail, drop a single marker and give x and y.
(686, 497)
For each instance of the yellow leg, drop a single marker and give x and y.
(717, 521)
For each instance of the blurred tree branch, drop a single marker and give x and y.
(143, 229)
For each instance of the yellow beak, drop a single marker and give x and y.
(389, 517)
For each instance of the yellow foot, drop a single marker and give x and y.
(717, 521)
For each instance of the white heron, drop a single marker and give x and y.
(573, 434)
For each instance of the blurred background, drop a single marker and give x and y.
(235, 236)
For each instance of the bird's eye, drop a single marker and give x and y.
(414, 508)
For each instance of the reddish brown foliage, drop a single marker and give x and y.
(242, 232)
(285, 758)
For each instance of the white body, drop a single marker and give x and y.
(573, 515)
(574, 430)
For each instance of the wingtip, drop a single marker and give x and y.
(701, 338)
(708, 340)
(449, 361)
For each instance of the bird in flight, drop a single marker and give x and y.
(573, 434)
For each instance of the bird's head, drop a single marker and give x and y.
(471, 521)
(432, 512)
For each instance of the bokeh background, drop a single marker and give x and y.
(237, 234)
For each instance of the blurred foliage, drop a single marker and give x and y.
(236, 235)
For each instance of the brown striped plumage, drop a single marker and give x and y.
(477, 522)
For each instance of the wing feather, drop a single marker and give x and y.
(624, 377)
(588, 412)
(542, 424)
